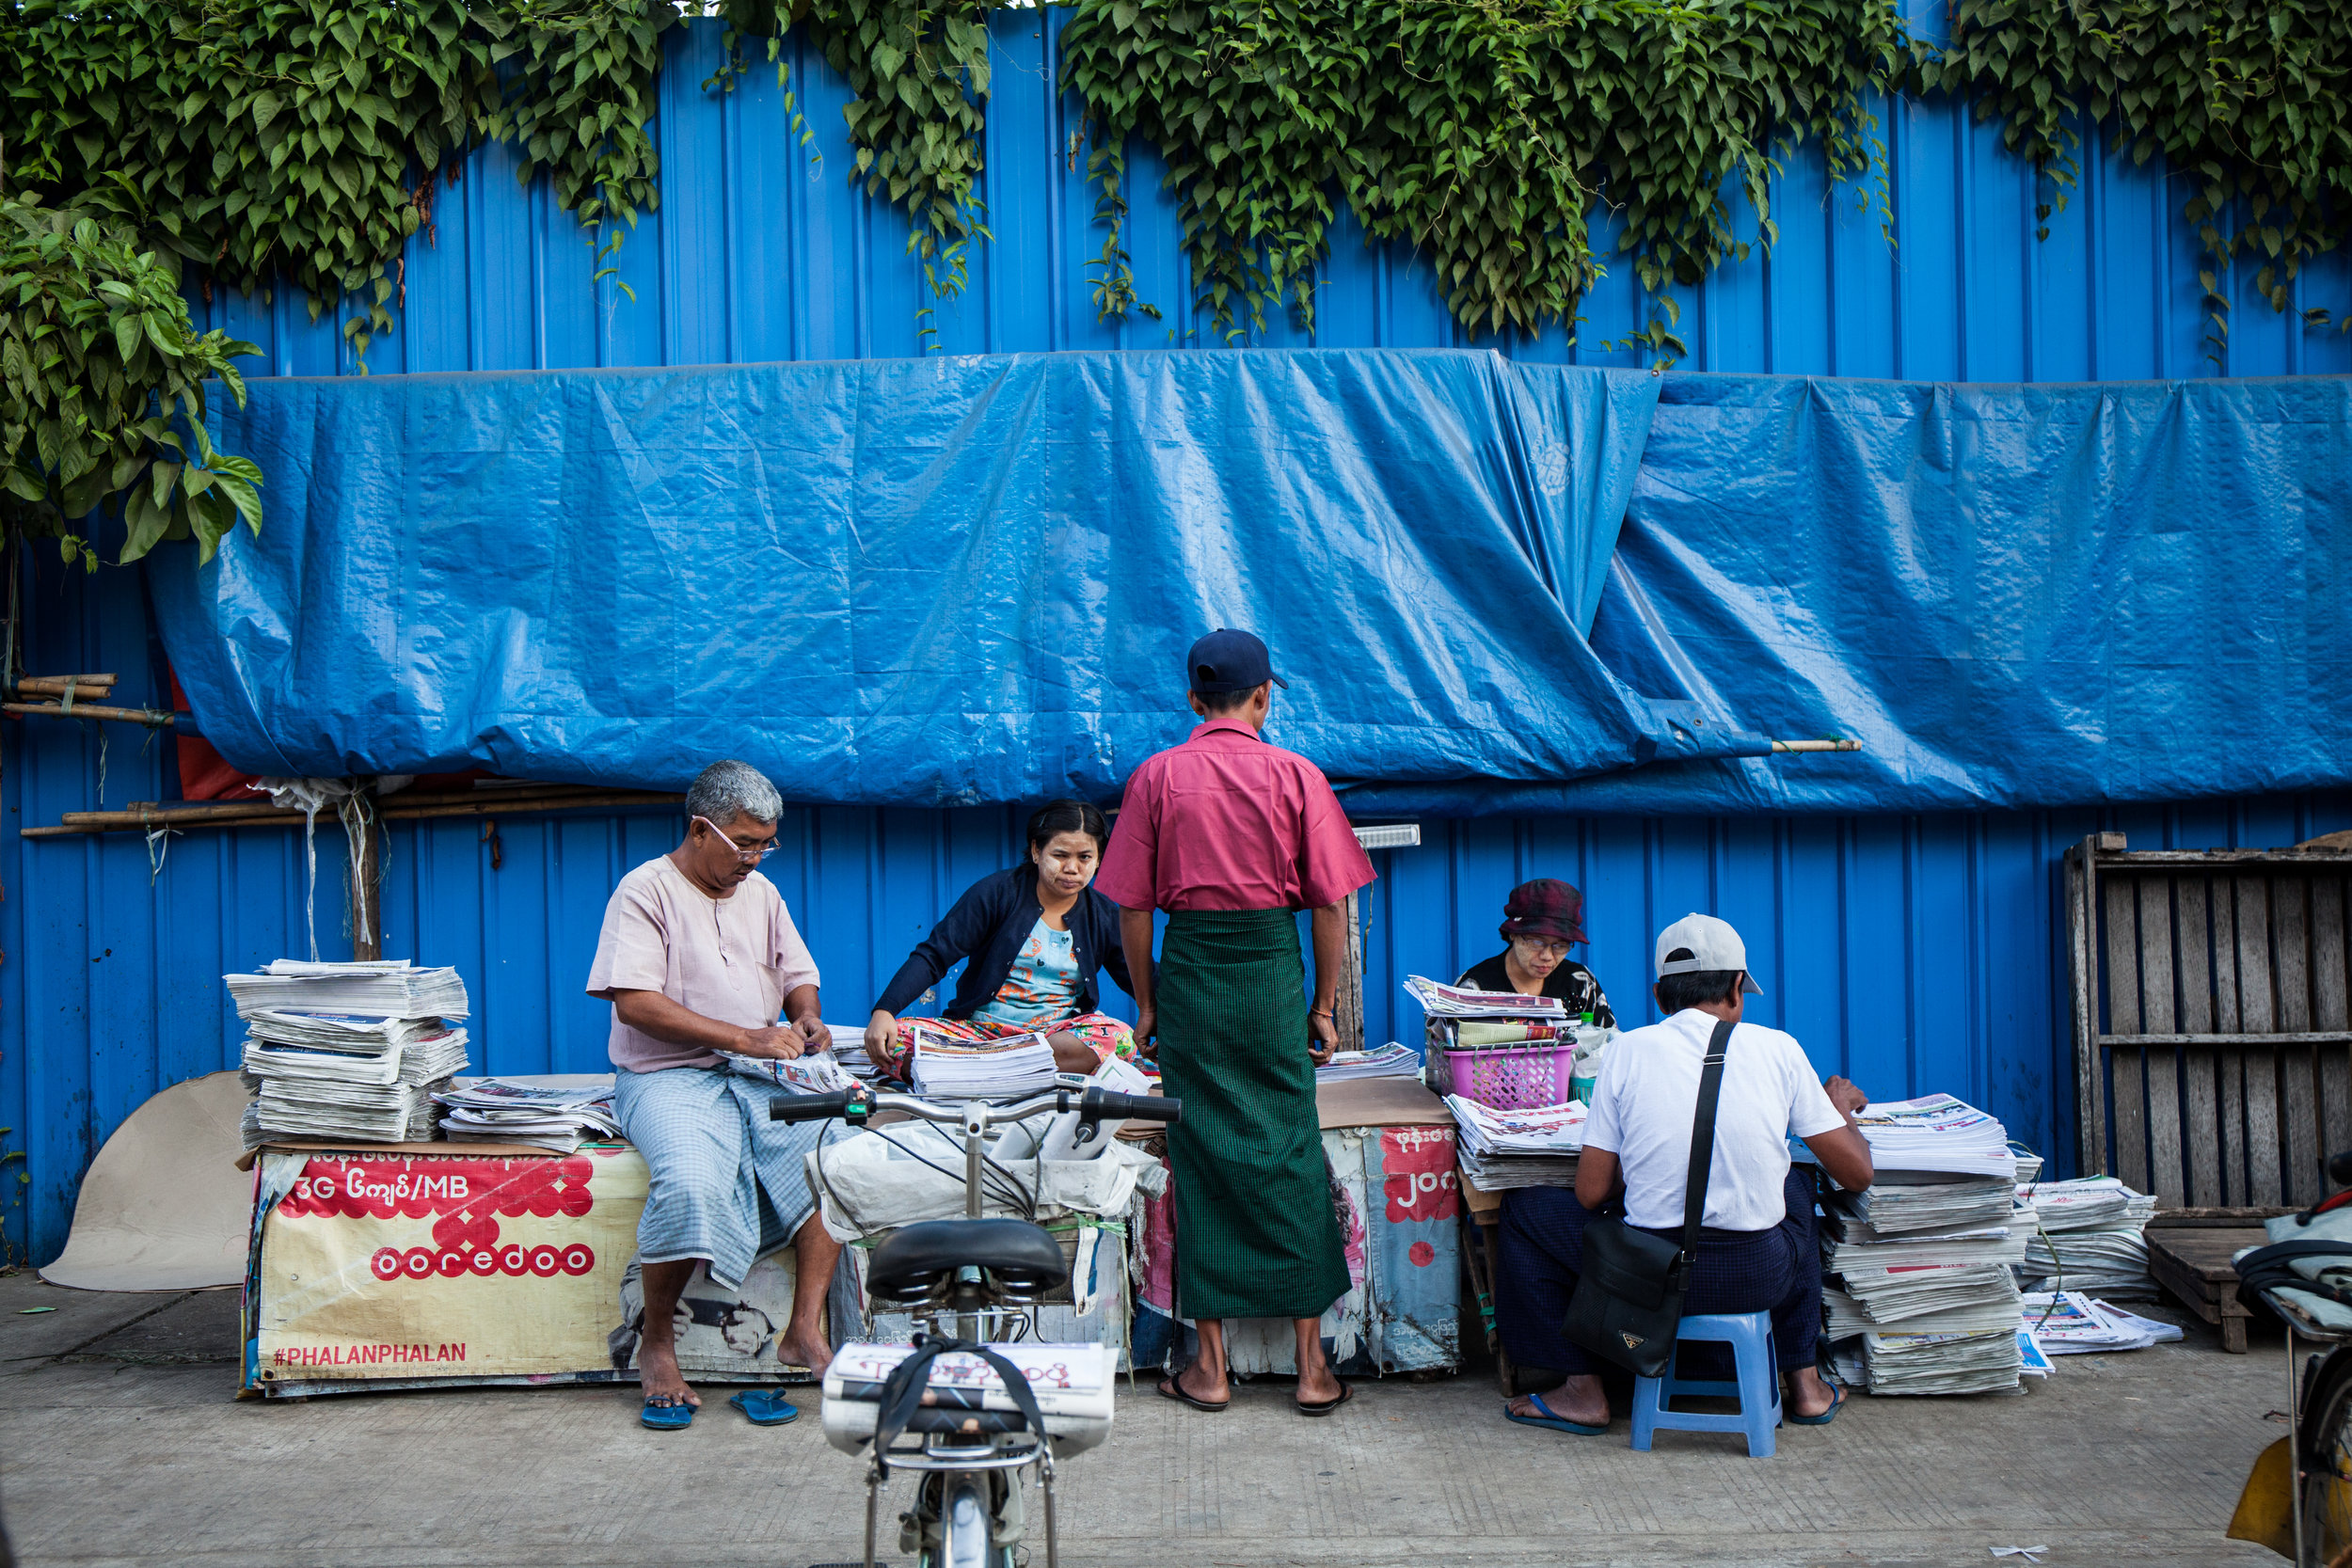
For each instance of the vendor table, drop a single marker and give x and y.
(431, 1265)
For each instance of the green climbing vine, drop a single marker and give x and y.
(1523, 145)
(919, 77)
(304, 139)
(102, 390)
(2250, 99)
(1485, 134)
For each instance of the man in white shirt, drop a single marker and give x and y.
(1757, 1251)
(698, 956)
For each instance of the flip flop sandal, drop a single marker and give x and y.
(765, 1407)
(1836, 1404)
(666, 1413)
(1347, 1392)
(1171, 1387)
(1553, 1419)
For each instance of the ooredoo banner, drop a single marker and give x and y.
(402, 1267)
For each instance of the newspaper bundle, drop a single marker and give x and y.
(518, 1111)
(1533, 1147)
(348, 1051)
(2091, 1238)
(1438, 1000)
(1922, 1295)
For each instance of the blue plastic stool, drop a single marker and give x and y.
(1750, 1336)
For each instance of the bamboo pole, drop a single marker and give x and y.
(1817, 745)
(153, 717)
(54, 686)
(390, 808)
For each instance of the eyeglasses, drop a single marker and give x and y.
(755, 854)
(1539, 945)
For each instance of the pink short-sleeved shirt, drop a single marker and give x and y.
(734, 958)
(1226, 821)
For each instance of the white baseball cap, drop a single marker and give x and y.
(1714, 945)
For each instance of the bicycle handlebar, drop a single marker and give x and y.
(1094, 1105)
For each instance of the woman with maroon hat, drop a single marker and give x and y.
(1541, 920)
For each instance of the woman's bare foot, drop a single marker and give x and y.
(1580, 1400)
(659, 1377)
(1808, 1395)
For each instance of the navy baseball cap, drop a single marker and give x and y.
(1230, 660)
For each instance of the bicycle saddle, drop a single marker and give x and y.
(1019, 1255)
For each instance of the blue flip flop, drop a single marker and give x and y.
(666, 1413)
(765, 1407)
(1836, 1404)
(1551, 1420)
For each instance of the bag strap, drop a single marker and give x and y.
(902, 1390)
(1703, 1139)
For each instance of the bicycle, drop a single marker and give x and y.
(2317, 1486)
(980, 1419)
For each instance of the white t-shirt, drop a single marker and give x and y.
(1648, 1095)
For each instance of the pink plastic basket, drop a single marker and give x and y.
(1510, 1077)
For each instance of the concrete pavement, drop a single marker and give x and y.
(121, 1443)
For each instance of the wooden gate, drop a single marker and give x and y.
(2213, 1050)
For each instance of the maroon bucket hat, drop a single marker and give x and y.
(1546, 907)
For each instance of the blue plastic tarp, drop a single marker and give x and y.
(923, 582)
(951, 582)
(2012, 595)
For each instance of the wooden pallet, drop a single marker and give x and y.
(2189, 1255)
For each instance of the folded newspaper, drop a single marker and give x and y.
(1935, 1134)
(1533, 1147)
(2068, 1323)
(1460, 1002)
(391, 989)
(517, 1110)
(1392, 1060)
(352, 1034)
(949, 1068)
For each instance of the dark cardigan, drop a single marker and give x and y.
(988, 925)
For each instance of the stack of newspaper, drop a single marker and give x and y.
(1534, 1147)
(1458, 1002)
(949, 1069)
(2091, 1239)
(1922, 1259)
(1392, 1060)
(348, 1051)
(1936, 1134)
(518, 1111)
(392, 987)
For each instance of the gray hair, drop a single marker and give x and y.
(725, 790)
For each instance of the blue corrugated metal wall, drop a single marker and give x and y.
(1913, 953)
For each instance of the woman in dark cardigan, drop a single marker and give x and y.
(1038, 937)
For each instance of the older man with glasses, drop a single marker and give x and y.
(699, 957)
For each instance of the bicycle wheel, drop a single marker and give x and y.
(2327, 1443)
(964, 1533)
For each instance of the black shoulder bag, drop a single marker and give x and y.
(1628, 1295)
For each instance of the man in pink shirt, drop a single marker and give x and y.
(1232, 837)
(698, 956)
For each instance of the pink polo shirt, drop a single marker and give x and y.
(1226, 821)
